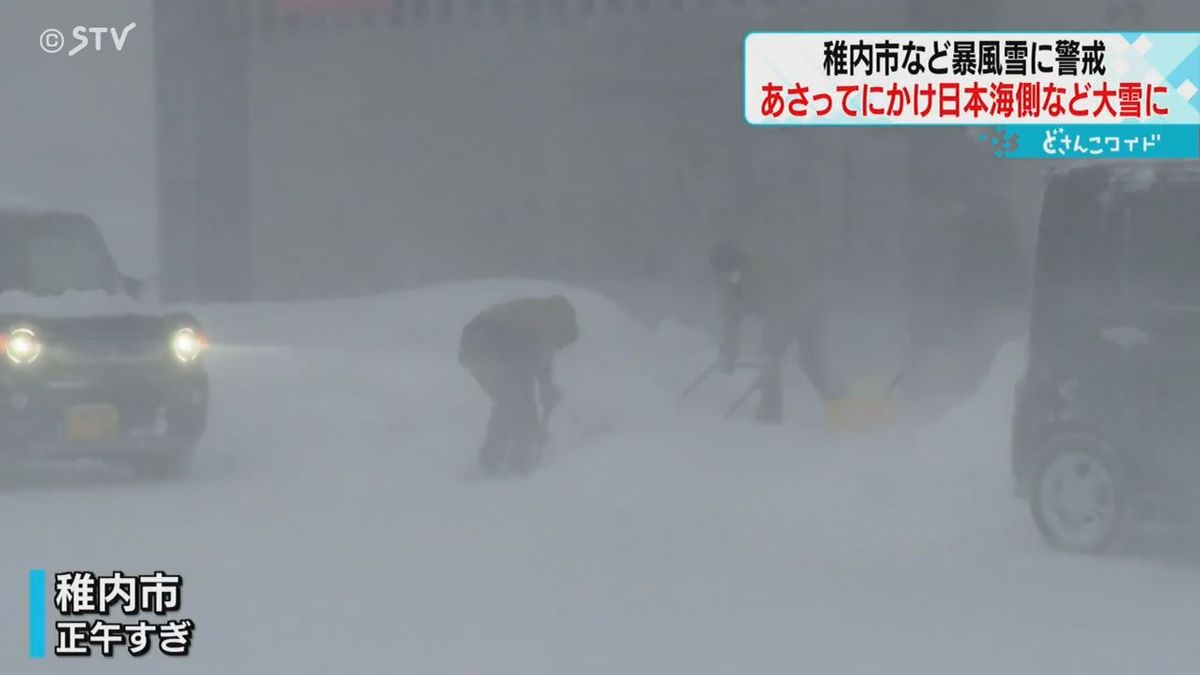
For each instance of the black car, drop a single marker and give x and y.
(86, 370)
(1106, 427)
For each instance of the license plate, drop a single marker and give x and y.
(91, 423)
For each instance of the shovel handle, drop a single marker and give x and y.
(699, 380)
(709, 371)
(742, 399)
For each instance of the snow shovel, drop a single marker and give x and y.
(736, 405)
(908, 368)
(869, 409)
(547, 408)
(522, 466)
(704, 376)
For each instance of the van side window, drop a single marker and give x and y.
(1160, 248)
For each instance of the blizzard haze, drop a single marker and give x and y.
(334, 196)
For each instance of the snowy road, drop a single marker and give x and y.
(333, 524)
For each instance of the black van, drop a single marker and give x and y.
(1106, 426)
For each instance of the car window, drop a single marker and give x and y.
(1072, 267)
(49, 255)
(66, 261)
(12, 257)
(1157, 236)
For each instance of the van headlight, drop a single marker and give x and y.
(22, 346)
(187, 344)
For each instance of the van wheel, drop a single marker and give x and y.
(1077, 501)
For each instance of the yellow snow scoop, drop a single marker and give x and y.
(868, 405)
(860, 410)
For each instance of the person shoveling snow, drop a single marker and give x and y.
(509, 349)
(771, 289)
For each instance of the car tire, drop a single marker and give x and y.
(1078, 501)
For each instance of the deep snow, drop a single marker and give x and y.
(333, 522)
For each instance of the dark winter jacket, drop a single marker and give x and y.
(777, 290)
(523, 334)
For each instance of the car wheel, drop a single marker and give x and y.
(1077, 501)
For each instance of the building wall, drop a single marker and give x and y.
(422, 153)
(79, 131)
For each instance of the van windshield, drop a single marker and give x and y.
(53, 254)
